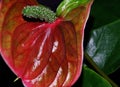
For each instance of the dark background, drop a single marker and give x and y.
(7, 76)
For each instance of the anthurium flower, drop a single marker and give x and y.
(44, 54)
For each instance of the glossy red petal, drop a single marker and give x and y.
(42, 54)
(79, 21)
(10, 18)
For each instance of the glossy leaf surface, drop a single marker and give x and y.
(104, 48)
(42, 54)
(92, 79)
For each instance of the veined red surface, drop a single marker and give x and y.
(42, 54)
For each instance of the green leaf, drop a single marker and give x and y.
(104, 47)
(105, 11)
(68, 5)
(92, 79)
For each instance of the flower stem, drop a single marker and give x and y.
(16, 79)
(93, 64)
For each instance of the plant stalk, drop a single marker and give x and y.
(89, 59)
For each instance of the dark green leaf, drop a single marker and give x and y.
(104, 47)
(105, 11)
(92, 79)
